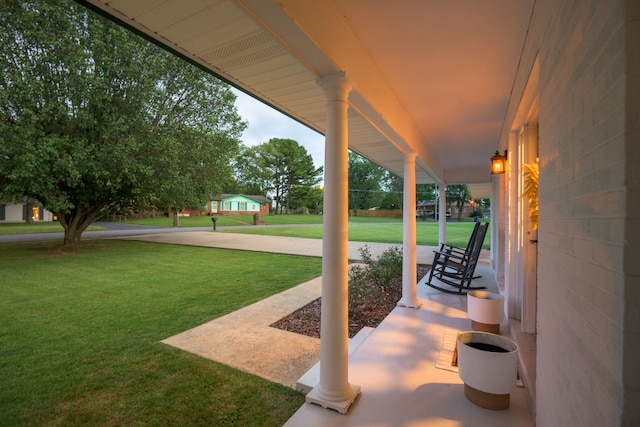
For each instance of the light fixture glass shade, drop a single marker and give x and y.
(498, 163)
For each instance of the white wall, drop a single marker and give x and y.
(631, 362)
(13, 213)
(587, 348)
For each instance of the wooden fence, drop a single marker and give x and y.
(378, 213)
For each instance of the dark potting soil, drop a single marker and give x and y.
(487, 347)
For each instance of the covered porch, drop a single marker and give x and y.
(430, 91)
(400, 86)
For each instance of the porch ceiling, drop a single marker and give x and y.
(433, 76)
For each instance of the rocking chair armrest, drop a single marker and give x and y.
(444, 245)
(455, 250)
(451, 255)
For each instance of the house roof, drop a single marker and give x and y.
(259, 199)
(431, 77)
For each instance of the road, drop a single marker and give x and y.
(113, 229)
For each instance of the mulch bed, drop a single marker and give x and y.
(306, 320)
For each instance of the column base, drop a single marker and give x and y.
(341, 406)
(409, 304)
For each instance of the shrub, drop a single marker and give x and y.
(369, 282)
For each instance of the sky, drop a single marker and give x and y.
(266, 123)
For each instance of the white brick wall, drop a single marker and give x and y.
(588, 370)
(631, 364)
(582, 92)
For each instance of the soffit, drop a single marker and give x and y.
(431, 76)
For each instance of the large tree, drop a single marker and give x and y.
(282, 167)
(94, 118)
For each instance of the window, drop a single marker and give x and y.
(2, 212)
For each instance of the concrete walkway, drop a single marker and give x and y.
(243, 339)
(270, 244)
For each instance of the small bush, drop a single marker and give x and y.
(370, 282)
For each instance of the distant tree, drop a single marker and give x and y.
(426, 193)
(315, 201)
(295, 169)
(195, 170)
(95, 119)
(483, 205)
(365, 182)
(395, 186)
(280, 166)
(458, 195)
(390, 201)
(307, 197)
(252, 175)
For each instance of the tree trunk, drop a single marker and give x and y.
(29, 208)
(72, 237)
(176, 220)
(288, 199)
(75, 223)
(277, 211)
(73, 230)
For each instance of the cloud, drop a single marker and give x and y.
(266, 123)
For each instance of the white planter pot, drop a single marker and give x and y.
(489, 376)
(486, 310)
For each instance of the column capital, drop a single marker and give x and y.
(410, 156)
(336, 86)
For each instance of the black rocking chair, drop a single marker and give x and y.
(456, 266)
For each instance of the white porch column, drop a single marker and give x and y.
(442, 214)
(334, 390)
(409, 294)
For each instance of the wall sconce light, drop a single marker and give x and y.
(498, 162)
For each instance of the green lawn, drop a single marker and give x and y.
(426, 233)
(36, 227)
(361, 229)
(227, 220)
(80, 334)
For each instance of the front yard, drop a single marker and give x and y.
(79, 334)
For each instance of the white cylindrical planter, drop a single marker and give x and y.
(488, 366)
(486, 310)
